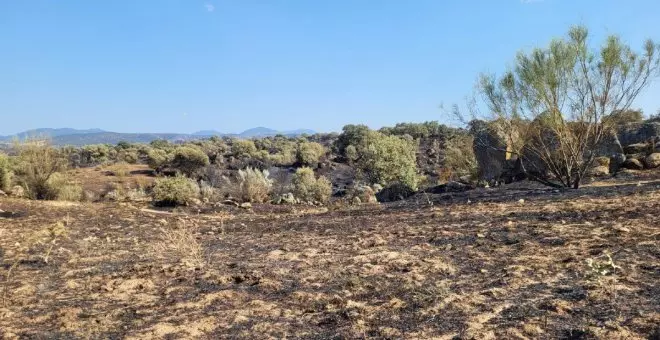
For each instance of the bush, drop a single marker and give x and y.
(309, 153)
(189, 160)
(178, 190)
(61, 188)
(623, 117)
(5, 173)
(157, 158)
(386, 159)
(254, 185)
(36, 162)
(395, 192)
(242, 148)
(307, 187)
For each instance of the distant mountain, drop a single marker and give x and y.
(208, 133)
(75, 137)
(50, 133)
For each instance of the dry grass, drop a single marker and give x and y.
(180, 243)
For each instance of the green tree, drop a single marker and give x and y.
(309, 153)
(557, 100)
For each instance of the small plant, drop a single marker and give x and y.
(254, 185)
(307, 187)
(36, 162)
(61, 188)
(603, 270)
(178, 190)
(181, 244)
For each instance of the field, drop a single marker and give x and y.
(513, 262)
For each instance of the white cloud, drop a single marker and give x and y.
(209, 7)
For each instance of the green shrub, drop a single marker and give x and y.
(61, 188)
(351, 135)
(309, 153)
(387, 159)
(35, 163)
(157, 158)
(189, 160)
(243, 148)
(129, 156)
(307, 187)
(5, 173)
(254, 185)
(178, 190)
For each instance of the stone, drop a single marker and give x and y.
(616, 161)
(246, 205)
(633, 164)
(636, 148)
(600, 171)
(18, 191)
(652, 161)
(288, 198)
(2, 194)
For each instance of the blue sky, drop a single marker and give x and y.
(188, 65)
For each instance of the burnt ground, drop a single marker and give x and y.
(506, 263)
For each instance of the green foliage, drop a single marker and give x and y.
(96, 154)
(178, 190)
(254, 185)
(568, 91)
(421, 130)
(309, 153)
(35, 163)
(307, 187)
(129, 155)
(157, 158)
(351, 135)
(243, 148)
(189, 159)
(5, 173)
(387, 159)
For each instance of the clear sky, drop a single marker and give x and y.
(229, 65)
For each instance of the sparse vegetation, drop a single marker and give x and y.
(36, 162)
(253, 185)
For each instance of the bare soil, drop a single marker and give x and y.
(505, 263)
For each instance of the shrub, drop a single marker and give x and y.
(5, 173)
(307, 187)
(157, 158)
(178, 190)
(386, 159)
(130, 155)
(61, 188)
(189, 160)
(243, 148)
(395, 192)
(309, 153)
(36, 162)
(351, 135)
(96, 154)
(254, 185)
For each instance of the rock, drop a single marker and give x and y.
(365, 193)
(195, 202)
(288, 198)
(246, 205)
(356, 200)
(602, 161)
(230, 202)
(652, 161)
(600, 171)
(18, 191)
(394, 192)
(616, 161)
(633, 164)
(2, 194)
(629, 134)
(636, 148)
(377, 187)
(449, 187)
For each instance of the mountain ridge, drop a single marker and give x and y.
(77, 137)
